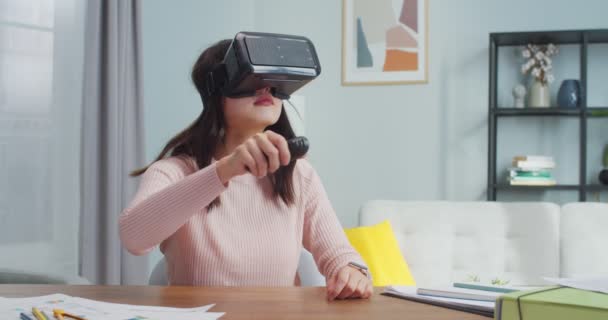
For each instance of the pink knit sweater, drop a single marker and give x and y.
(251, 239)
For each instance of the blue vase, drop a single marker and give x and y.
(569, 95)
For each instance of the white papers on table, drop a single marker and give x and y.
(591, 283)
(10, 308)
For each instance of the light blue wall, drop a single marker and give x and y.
(429, 141)
(174, 34)
(410, 142)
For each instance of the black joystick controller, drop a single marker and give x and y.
(298, 147)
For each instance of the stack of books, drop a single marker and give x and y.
(532, 171)
(465, 296)
(478, 303)
(577, 299)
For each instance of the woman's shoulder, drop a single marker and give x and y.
(305, 171)
(175, 167)
(308, 180)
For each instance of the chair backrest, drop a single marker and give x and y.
(584, 236)
(445, 242)
(158, 277)
(307, 271)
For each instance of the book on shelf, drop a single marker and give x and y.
(549, 177)
(532, 171)
(533, 165)
(533, 162)
(532, 182)
(520, 173)
(533, 158)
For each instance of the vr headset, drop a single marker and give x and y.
(256, 60)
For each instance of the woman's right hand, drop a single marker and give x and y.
(260, 155)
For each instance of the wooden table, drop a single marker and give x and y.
(251, 303)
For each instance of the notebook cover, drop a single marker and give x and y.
(555, 303)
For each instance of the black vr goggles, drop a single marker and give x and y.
(255, 60)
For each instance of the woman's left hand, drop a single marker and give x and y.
(349, 283)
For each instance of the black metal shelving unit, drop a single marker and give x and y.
(577, 37)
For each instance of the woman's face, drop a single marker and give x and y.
(252, 113)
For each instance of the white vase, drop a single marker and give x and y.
(539, 95)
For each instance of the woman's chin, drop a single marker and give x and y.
(265, 118)
(260, 122)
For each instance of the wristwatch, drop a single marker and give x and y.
(361, 268)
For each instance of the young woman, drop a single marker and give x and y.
(229, 207)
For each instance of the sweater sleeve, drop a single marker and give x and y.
(165, 200)
(323, 235)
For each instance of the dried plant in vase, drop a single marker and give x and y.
(539, 65)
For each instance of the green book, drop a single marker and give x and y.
(555, 303)
(530, 174)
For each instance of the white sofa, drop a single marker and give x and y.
(444, 241)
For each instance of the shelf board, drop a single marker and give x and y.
(555, 187)
(597, 112)
(537, 37)
(596, 187)
(543, 37)
(589, 187)
(552, 111)
(598, 36)
(594, 112)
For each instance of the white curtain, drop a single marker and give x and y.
(41, 67)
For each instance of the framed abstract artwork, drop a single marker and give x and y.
(384, 41)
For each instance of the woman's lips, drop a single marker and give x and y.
(265, 100)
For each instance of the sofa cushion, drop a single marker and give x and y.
(584, 239)
(445, 242)
(379, 249)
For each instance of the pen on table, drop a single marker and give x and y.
(25, 316)
(59, 314)
(39, 315)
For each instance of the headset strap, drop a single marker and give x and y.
(216, 79)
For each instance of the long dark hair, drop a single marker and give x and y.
(200, 139)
